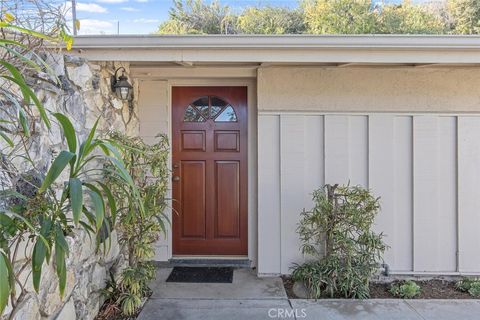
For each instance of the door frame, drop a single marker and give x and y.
(251, 85)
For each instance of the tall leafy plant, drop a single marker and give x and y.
(38, 209)
(337, 234)
(72, 193)
(139, 230)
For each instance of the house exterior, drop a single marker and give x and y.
(256, 123)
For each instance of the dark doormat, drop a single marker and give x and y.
(201, 275)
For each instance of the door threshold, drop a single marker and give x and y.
(209, 261)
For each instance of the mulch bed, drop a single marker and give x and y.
(431, 289)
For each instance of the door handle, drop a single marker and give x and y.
(176, 178)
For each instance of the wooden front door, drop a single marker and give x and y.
(209, 170)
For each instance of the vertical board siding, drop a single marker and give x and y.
(468, 193)
(358, 150)
(336, 149)
(447, 190)
(292, 155)
(381, 177)
(410, 161)
(314, 156)
(426, 195)
(402, 165)
(269, 211)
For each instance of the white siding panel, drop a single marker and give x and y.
(292, 153)
(426, 193)
(402, 238)
(269, 251)
(434, 193)
(358, 150)
(381, 178)
(468, 193)
(425, 168)
(337, 149)
(447, 188)
(314, 157)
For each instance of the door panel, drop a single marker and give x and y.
(193, 196)
(193, 140)
(209, 144)
(228, 203)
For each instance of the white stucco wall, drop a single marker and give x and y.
(411, 135)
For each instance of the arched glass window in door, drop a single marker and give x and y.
(210, 108)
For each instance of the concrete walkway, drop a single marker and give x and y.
(252, 298)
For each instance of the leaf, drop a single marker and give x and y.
(8, 17)
(23, 58)
(77, 24)
(61, 250)
(4, 24)
(19, 80)
(111, 202)
(29, 94)
(56, 169)
(4, 283)
(76, 198)
(38, 256)
(99, 206)
(86, 147)
(7, 139)
(24, 122)
(13, 42)
(68, 131)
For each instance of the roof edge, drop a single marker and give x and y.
(373, 41)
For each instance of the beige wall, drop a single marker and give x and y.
(411, 135)
(350, 89)
(154, 118)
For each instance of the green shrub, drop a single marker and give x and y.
(337, 232)
(148, 167)
(406, 290)
(472, 286)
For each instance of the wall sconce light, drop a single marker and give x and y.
(122, 88)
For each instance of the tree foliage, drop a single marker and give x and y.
(464, 16)
(326, 17)
(338, 17)
(270, 20)
(196, 16)
(407, 18)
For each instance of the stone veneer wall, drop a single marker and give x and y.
(84, 96)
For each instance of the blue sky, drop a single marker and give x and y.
(140, 16)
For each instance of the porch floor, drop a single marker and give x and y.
(253, 298)
(245, 285)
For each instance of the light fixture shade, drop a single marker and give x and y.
(123, 89)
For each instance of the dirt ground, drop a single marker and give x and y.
(431, 289)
